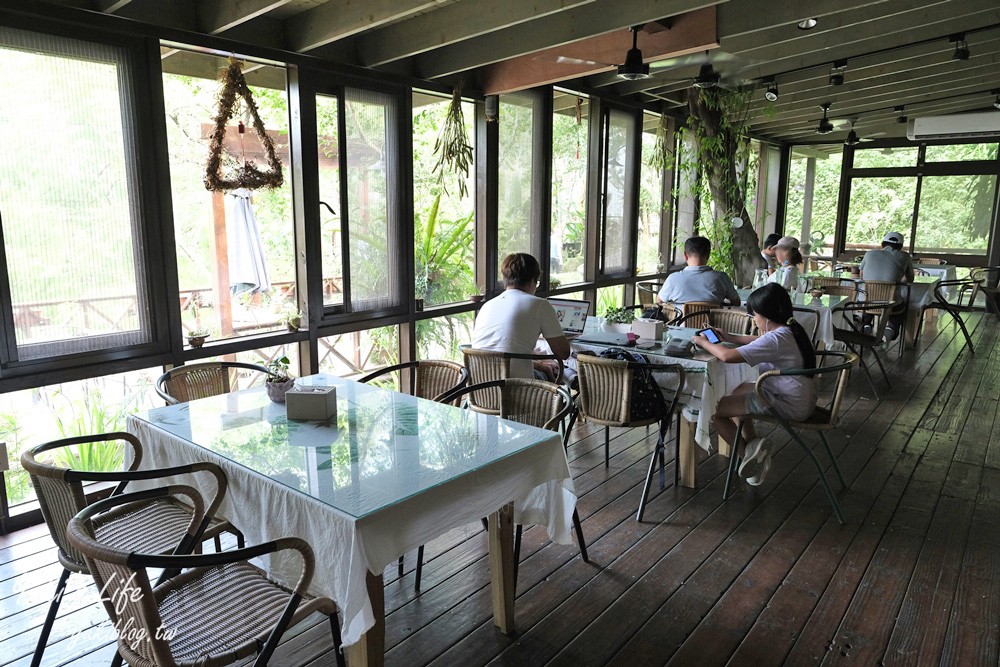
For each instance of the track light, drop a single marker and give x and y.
(807, 24)
(961, 47)
(771, 94)
(837, 73)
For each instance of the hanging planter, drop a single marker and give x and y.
(249, 176)
(452, 147)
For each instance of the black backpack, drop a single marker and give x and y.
(647, 401)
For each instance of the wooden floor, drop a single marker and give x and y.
(765, 578)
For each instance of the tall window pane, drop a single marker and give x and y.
(570, 124)
(648, 259)
(331, 243)
(879, 205)
(955, 213)
(812, 220)
(617, 195)
(371, 168)
(443, 220)
(514, 179)
(69, 196)
(235, 250)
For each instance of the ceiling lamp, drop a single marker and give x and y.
(707, 77)
(634, 69)
(837, 73)
(961, 47)
(825, 126)
(807, 24)
(771, 94)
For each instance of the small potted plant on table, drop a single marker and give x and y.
(618, 320)
(279, 381)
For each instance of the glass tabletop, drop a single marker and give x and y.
(382, 448)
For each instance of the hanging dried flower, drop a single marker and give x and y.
(662, 158)
(452, 147)
(248, 176)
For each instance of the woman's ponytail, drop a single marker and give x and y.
(805, 344)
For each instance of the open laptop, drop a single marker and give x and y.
(572, 315)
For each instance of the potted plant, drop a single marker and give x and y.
(618, 320)
(278, 381)
(197, 337)
(554, 283)
(292, 320)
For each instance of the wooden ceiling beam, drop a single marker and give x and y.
(338, 19)
(688, 33)
(217, 16)
(549, 31)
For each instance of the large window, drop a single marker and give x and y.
(811, 204)
(355, 353)
(879, 205)
(514, 226)
(72, 230)
(331, 239)
(619, 132)
(955, 214)
(235, 250)
(570, 123)
(441, 337)
(651, 204)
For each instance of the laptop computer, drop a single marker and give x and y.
(572, 315)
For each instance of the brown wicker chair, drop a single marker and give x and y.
(646, 293)
(606, 399)
(932, 261)
(695, 313)
(194, 381)
(489, 365)
(159, 525)
(429, 379)
(535, 403)
(731, 320)
(848, 289)
(220, 611)
(821, 420)
(827, 282)
(988, 278)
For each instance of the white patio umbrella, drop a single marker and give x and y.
(247, 271)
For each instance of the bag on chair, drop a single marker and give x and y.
(647, 401)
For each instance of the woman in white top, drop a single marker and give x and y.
(783, 344)
(513, 320)
(787, 254)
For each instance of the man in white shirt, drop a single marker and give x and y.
(697, 281)
(513, 320)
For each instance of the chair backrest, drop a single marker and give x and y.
(646, 292)
(194, 381)
(484, 366)
(695, 313)
(731, 320)
(606, 389)
(829, 281)
(532, 402)
(60, 490)
(429, 378)
(932, 261)
(880, 290)
(847, 290)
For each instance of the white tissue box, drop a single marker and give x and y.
(650, 329)
(311, 403)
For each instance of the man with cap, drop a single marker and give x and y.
(890, 264)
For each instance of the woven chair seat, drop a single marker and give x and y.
(225, 611)
(156, 526)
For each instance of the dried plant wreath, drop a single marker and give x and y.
(248, 176)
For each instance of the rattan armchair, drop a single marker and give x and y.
(826, 282)
(988, 278)
(606, 399)
(535, 403)
(489, 365)
(194, 381)
(967, 291)
(158, 525)
(821, 420)
(858, 341)
(220, 610)
(646, 292)
(695, 313)
(731, 320)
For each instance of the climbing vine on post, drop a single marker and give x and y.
(718, 122)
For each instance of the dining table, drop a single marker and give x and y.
(386, 474)
(822, 308)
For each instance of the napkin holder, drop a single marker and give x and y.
(311, 403)
(649, 329)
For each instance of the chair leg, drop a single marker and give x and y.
(878, 360)
(117, 660)
(569, 427)
(579, 536)
(241, 540)
(661, 447)
(833, 460)
(734, 460)
(420, 567)
(607, 446)
(965, 332)
(868, 374)
(677, 453)
(50, 618)
(218, 544)
(819, 469)
(337, 641)
(517, 551)
(649, 480)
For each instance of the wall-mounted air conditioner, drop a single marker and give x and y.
(958, 126)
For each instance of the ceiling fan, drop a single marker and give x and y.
(853, 138)
(826, 125)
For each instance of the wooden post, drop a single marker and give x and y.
(687, 459)
(501, 527)
(370, 649)
(220, 270)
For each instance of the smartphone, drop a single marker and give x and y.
(710, 335)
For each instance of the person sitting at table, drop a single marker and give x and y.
(513, 320)
(786, 252)
(697, 281)
(784, 344)
(768, 253)
(890, 264)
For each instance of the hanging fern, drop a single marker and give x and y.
(452, 147)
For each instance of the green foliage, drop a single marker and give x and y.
(90, 415)
(619, 315)
(278, 368)
(661, 158)
(443, 273)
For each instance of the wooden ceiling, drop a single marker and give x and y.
(897, 52)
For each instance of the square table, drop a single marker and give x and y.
(706, 381)
(389, 474)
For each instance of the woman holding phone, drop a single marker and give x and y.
(783, 344)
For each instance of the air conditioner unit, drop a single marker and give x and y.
(958, 126)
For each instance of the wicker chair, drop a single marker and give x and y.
(535, 403)
(821, 420)
(159, 525)
(896, 293)
(220, 611)
(606, 398)
(967, 291)
(849, 290)
(429, 379)
(695, 313)
(646, 292)
(858, 341)
(825, 282)
(932, 261)
(988, 278)
(194, 381)
(731, 320)
(488, 365)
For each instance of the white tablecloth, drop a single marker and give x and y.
(536, 479)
